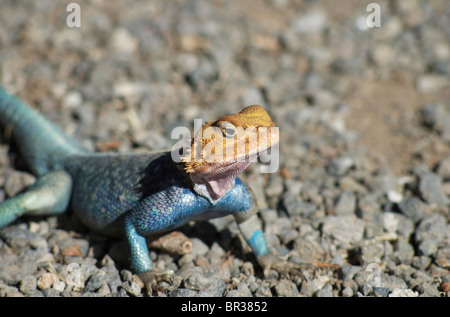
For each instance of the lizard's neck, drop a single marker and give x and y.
(214, 180)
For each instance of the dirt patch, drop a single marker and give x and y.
(387, 118)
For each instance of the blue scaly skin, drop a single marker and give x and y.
(131, 195)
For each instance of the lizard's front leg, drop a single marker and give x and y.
(250, 227)
(140, 259)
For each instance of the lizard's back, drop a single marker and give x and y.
(107, 185)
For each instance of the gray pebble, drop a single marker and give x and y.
(428, 289)
(430, 232)
(348, 271)
(345, 204)
(430, 187)
(413, 208)
(51, 292)
(347, 292)
(204, 281)
(199, 248)
(393, 282)
(96, 281)
(443, 257)
(347, 229)
(340, 166)
(286, 288)
(28, 284)
(326, 291)
(183, 292)
(421, 262)
(381, 291)
(372, 251)
(132, 288)
(404, 251)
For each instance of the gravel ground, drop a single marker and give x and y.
(364, 178)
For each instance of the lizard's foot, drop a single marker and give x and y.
(160, 281)
(270, 261)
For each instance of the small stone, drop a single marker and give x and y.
(347, 292)
(400, 292)
(430, 188)
(199, 248)
(309, 288)
(311, 22)
(428, 289)
(347, 229)
(390, 222)
(346, 204)
(263, 291)
(286, 288)
(341, 165)
(404, 251)
(28, 284)
(183, 292)
(444, 168)
(413, 208)
(366, 289)
(381, 291)
(372, 251)
(268, 215)
(431, 231)
(203, 280)
(104, 291)
(241, 291)
(443, 257)
(96, 281)
(421, 262)
(51, 292)
(326, 291)
(72, 100)
(393, 282)
(46, 280)
(431, 83)
(123, 42)
(59, 286)
(132, 288)
(348, 271)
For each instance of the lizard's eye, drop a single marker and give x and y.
(228, 129)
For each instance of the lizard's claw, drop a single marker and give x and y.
(270, 261)
(153, 281)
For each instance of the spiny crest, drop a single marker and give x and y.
(251, 116)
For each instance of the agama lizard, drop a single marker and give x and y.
(136, 195)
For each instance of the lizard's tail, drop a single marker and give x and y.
(42, 144)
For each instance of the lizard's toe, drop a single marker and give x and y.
(160, 281)
(270, 261)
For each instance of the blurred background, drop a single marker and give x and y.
(363, 111)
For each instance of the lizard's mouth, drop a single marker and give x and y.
(213, 181)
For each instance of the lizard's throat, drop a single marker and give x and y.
(212, 181)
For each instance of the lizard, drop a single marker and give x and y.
(135, 195)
